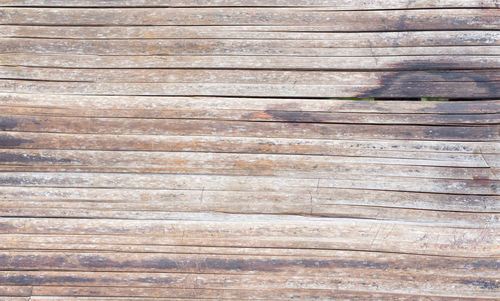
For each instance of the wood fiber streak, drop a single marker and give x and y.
(330, 4)
(249, 150)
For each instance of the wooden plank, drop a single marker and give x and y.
(467, 154)
(275, 232)
(299, 265)
(251, 83)
(161, 107)
(431, 58)
(247, 201)
(234, 47)
(248, 76)
(385, 88)
(247, 183)
(139, 212)
(390, 20)
(136, 126)
(239, 294)
(257, 282)
(330, 4)
(177, 200)
(273, 35)
(237, 164)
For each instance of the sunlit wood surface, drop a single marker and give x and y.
(249, 149)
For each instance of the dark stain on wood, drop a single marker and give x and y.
(24, 158)
(99, 262)
(294, 116)
(9, 141)
(8, 123)
(483, 284)
(486, 263)
(484, 182)
(269, 265)
(391, 84)
(31, 261)
(11, 181)
(41, 280)
(102, 262)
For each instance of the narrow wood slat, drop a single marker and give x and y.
(161, 107)
(276, 113)
(274, 35)
(138, 211)
(249, 264)
(248, 183)
(239, 294)
(480, 57)
(228, 47)
(385, 89)
(390, 20)
(388, 266)
(481, 78)
(238, 164)
(255, 202)
(105, 243)
(255, 282)
(454, 154)
(252, 83)
(334, 5)
(127, 126)
(274, 232)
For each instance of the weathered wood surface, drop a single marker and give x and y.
(173, 150)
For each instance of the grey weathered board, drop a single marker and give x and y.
(189, 149)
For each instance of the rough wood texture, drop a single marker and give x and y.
(173, 150)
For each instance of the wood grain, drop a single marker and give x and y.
(210, 150)
(331, 4)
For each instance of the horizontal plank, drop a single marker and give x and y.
(162, 107)
(255, 202)
(465, 154)
(273, 113)
(348, 265)
(273, 232)
(247, 183)
(347, 62)
(233, 293)
(251, 82)
(172, 280)
(276, 36)
(433, 154)
(338, 262)
(386, 88)
(136, 126)
(239, 164)
(232, 47)
(119, 244)
(328, 78)
(140, 211)
(330, 4)
(390, 20)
